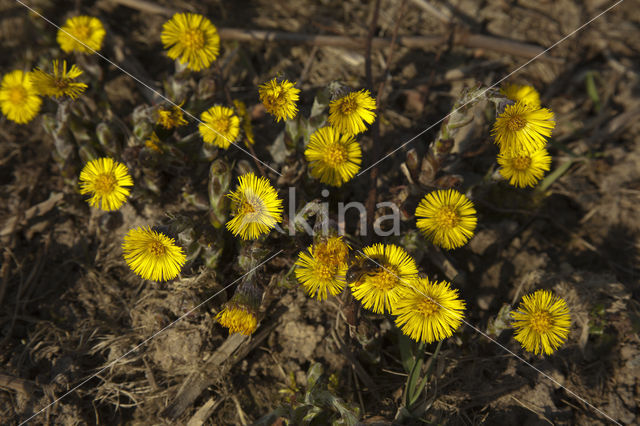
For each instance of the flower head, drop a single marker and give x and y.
(522, 93)
(238, 318)
(541, 322)
(18, 99)
(241, 109)
(429, 311)
(447, 218)
(379, 288)
(81, 34)
(154, 143)
(220, 126)
(333, 158)
(322, 267)
(279, 98)
(152, 255)
(524, 169)
(255, 206)
(171, 116)
(522, 128)
(193, 38)
(349, 113)
(60, 83)
(106, 181)
(240, 314)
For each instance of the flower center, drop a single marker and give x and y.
(18, 95)
(246, 207)
(516, 123)
(428, 307)
(335, 155)
(521, 163)
(194, 39)
(447, 217)
(157, 248)
(385, 280)
(61, 83)
(541, 321)
(331, 255)
(323, 270)
(105, 183)
(221, 124)
(348, 106)
(82, 32)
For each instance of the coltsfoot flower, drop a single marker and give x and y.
(333, 158)
(192, 38)
(522, 93)
(153, 255)
(255, 206)
(240, 314)
(541, 322)
(524, 169)
(60, 83)
(322, 267)
(279, 98)
(220, 126)
(247, 128)
(428, 311)
(522, 128)
(171, 116)
(447, 218)
(349, 113)
(81, 34)
(238, 318)
(106, 181)
(18, 98)
(381, 286)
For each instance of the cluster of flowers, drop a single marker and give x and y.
(521, 132)
(383, 277)
(386, 280)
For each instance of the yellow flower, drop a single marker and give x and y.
(238, 318)
(333, 158)
(522, 93)
(380, 288)
(171, 116)
(447, 218)
(322, 267)
(220, 126)
(152, 255)
(18, 99)
(522, 128)
(106, 180)
(279, 98)
(60, 83)
(541, 322)
(241, 109)
(193, 38)
(81, 34)
(153, 143)
(349, 113)
(524, 169)
(429, 311)
(255, 206)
